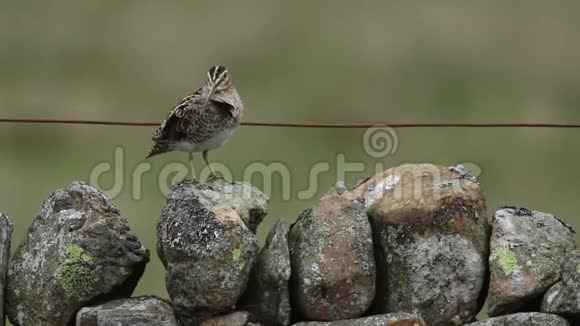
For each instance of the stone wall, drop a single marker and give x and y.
(411, 246)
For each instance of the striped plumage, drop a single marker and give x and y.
(203, 120)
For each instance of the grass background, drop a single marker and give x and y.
(292, 61)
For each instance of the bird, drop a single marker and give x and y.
(201, 121)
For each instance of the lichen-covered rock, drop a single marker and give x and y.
(77, 250)
(333, 266)
(431, 237)
(527, 251)
(393, 319)
(521, 319)
(564, 297)
(141, 311)
(206, 248)
(5, 238)
(267, 297)
(238, 318)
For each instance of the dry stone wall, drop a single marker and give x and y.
(410, 246)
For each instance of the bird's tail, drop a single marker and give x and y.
(158, 148)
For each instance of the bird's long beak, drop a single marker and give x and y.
(213, 88)
(211, 92)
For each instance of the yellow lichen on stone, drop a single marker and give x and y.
(75, 273)
(506, 259)
(236, 254)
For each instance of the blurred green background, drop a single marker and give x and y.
(292, 61)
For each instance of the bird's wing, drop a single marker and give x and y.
(178, 120)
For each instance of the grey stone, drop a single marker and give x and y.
(527, 251)
(206, 248)
(431, 237)
(393, 319)
(5, 238)
(140, 311)
(268, 297)
(527, 319)
(250, 203)
(564, 297)
(238, 318)
(77, 250)
(333, 266)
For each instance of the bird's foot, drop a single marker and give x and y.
(214, 176)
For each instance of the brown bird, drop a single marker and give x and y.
(202, 121)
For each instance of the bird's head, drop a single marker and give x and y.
(219, 87)
(218, 80)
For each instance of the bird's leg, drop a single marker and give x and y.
(208, 164)
(190, 156)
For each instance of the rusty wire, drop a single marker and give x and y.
(300, 125)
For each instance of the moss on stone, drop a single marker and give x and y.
(506, 259)
(542, 263)
(75, 273)
(578, 268)
(542, 268)
(236, 254)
